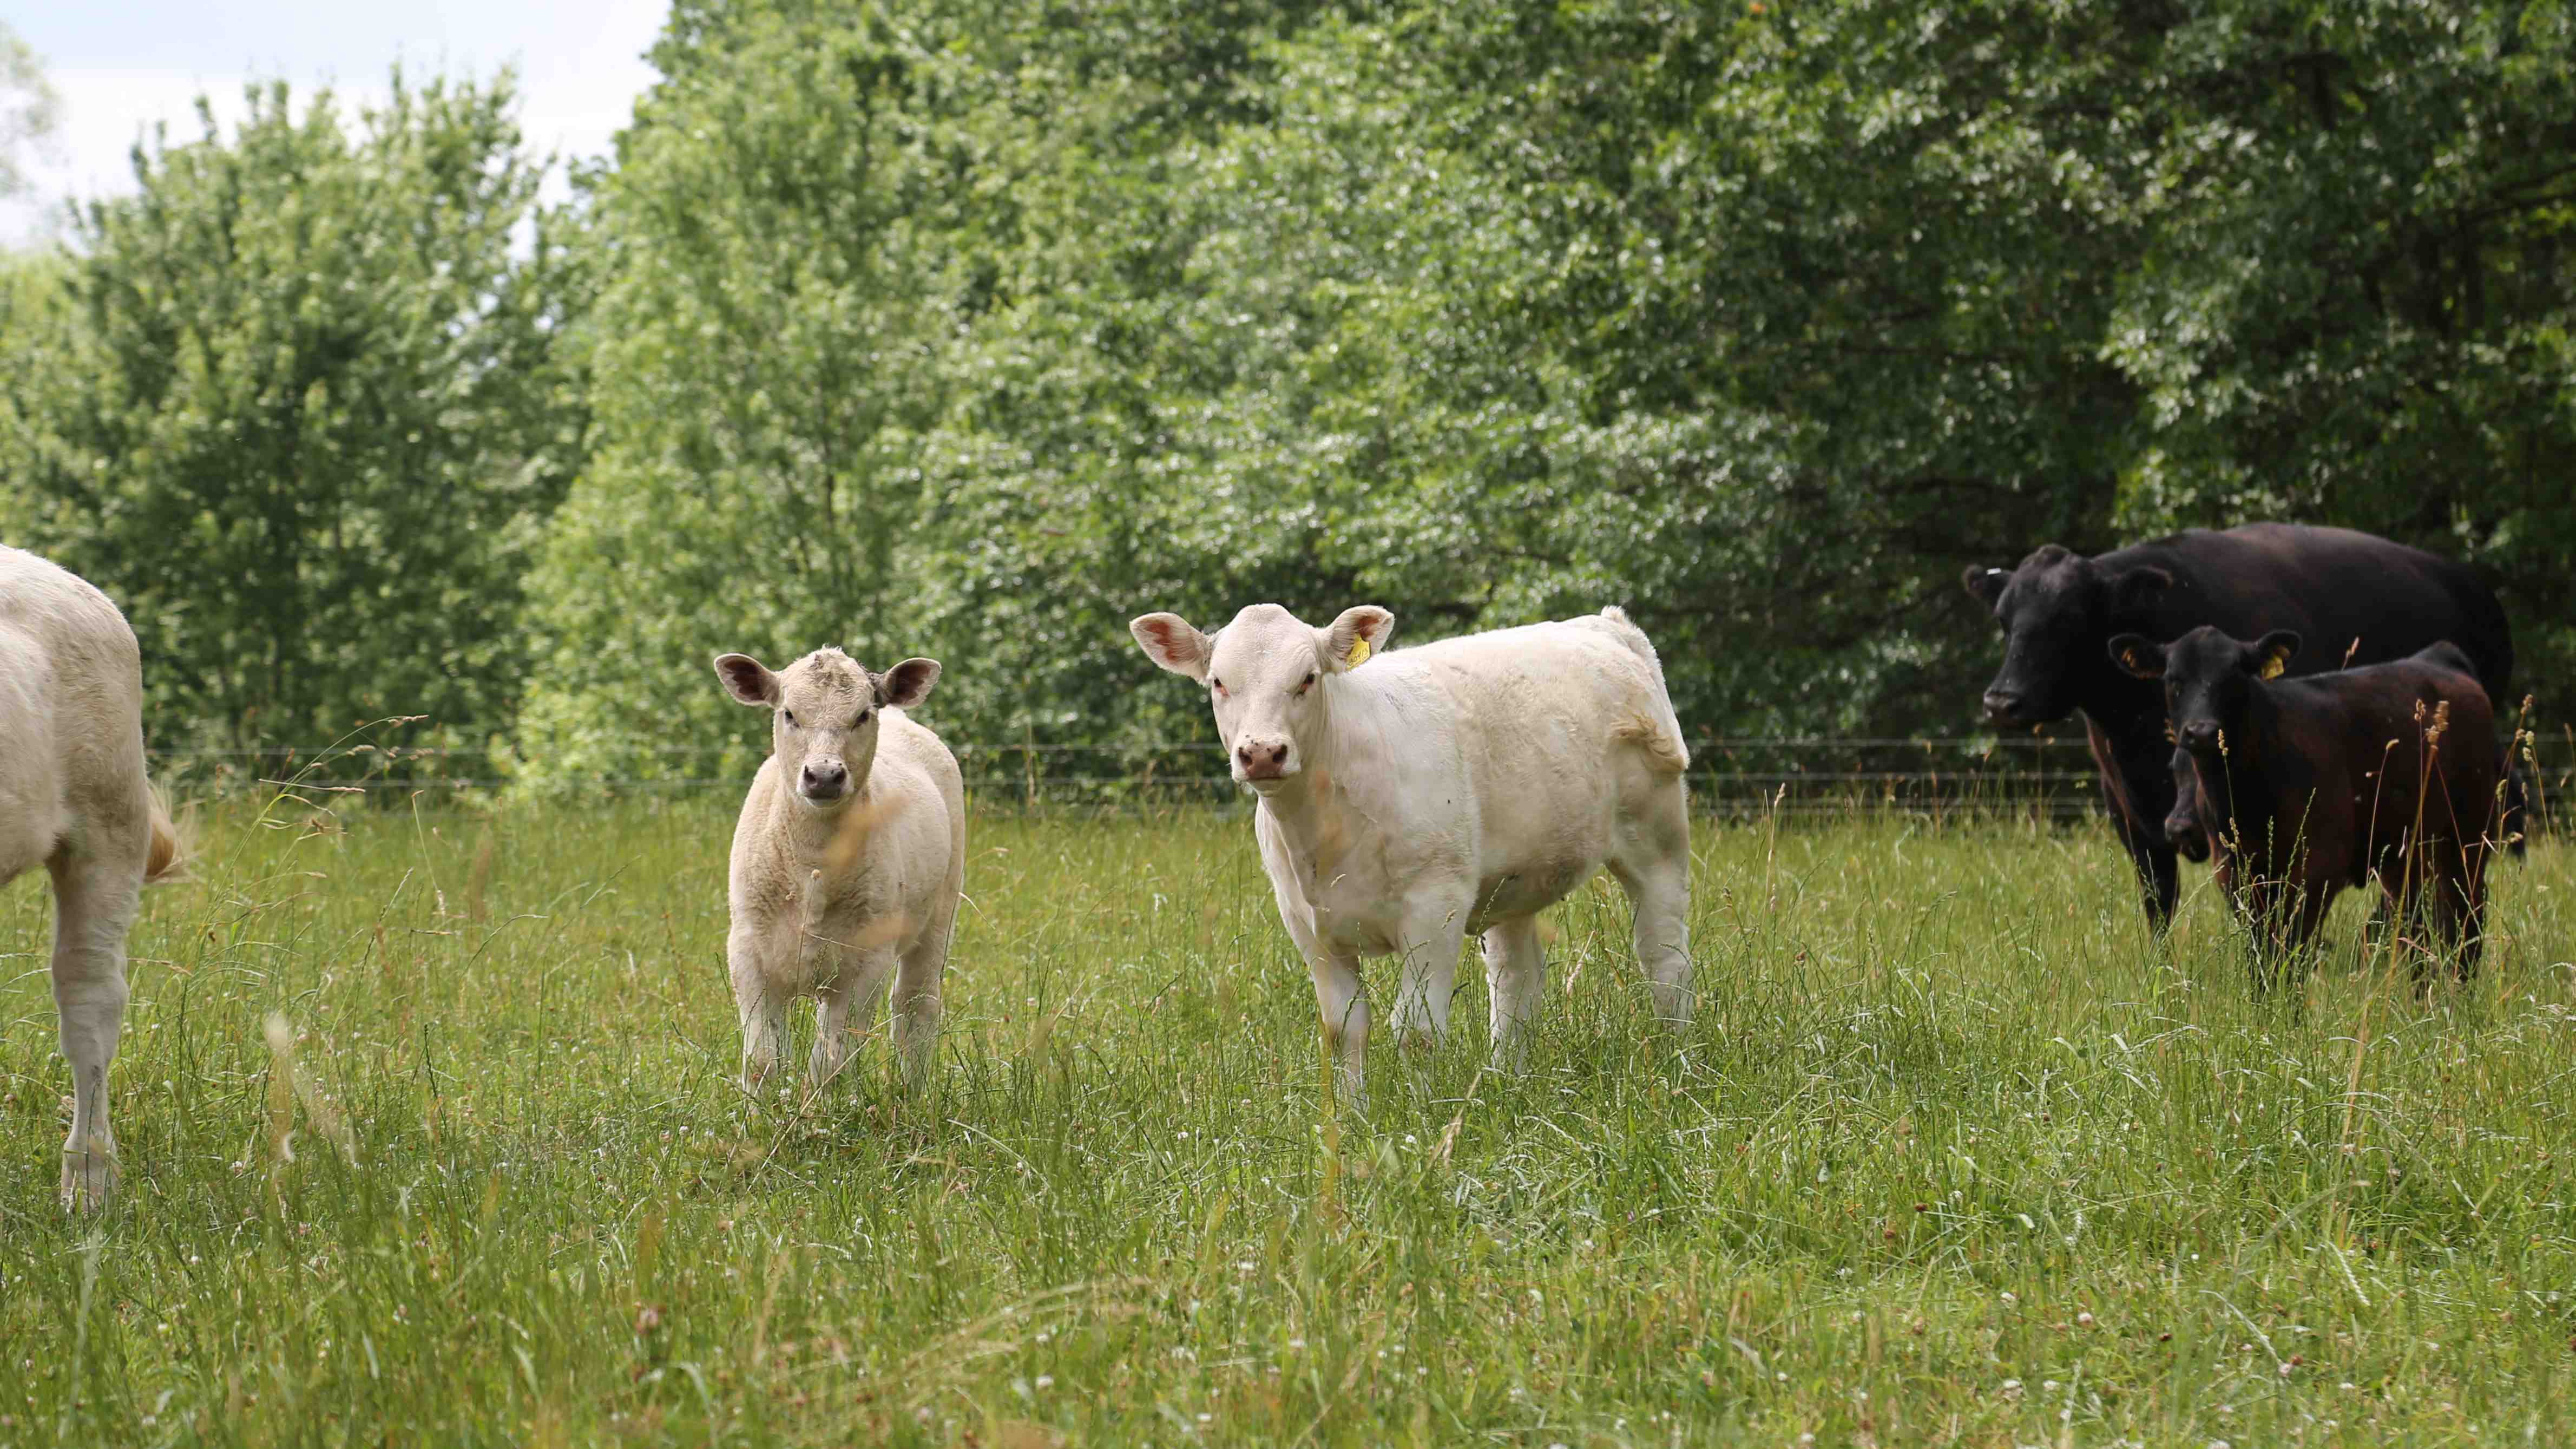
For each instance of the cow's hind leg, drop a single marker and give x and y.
(2513, 818)
(1653, 864)
(918, 1007)
(1516, 983)
(2453, 905)
(94, 906)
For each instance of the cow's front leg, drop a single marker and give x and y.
(1430, 939)
(761, 1003)
(2159, 869)
(848, 1014)
(1342, 1005)
(2138, 792)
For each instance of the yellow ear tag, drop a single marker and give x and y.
(1359, 654)
(2274, 664)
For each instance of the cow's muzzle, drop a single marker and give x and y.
(823, 781)
(1259, 760)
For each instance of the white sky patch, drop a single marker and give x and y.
(120, 69)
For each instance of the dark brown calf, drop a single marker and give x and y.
(2303, 786)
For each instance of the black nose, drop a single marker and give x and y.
(2200, 734)
(826, 778)
(2003, 706)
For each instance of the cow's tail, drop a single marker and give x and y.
(1656, 730)
(2516, 820)
(163, 859)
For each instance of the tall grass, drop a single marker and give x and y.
(1953, 1154)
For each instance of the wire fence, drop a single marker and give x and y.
(2046, 775)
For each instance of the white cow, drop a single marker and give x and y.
(73, 795)
(1409, 798)
(848, 860)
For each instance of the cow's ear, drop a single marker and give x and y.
(2270, 657)
(908, 683)
(1169, 641)
(1361, 631)
(1985, 585)
(2138, 655)
(748, 680)
(2137, 589)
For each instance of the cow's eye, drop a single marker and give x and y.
(788, 715)
(1218, 683)
(1308, 683)
(862, 719)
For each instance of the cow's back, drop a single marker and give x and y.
(1518, 752)
(1557, 695)
(2354, 598)
(2366, 733)
(920, 765)
(71, 728)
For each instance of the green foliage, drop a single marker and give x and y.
(2358, 300)
(1761, 322)
(976, 329)
(763, 343)
(1949, 1133)
(299, 411)
(850, 385)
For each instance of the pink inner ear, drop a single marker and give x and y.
(744, 679)
(1169, 643)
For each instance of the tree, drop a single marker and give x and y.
(2358, 303)
(301, 412)
(975, 330)
(829, 226)
(29, 109)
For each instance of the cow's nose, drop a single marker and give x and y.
(1262, 761)
(2200, 734)
(825, 779)
(2003, 706)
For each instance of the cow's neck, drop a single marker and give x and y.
(1313, 808)
(812, 834)
(2242, 796)
(2123, 708)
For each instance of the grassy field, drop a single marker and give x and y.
(1951, 1156)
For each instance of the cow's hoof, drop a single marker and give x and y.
(89, 1180)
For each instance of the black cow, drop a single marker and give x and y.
(2301, 787)
(2352, 599)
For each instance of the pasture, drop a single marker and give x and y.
(1951, 1155)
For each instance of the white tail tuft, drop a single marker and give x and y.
(1664, 749)
(163, 859)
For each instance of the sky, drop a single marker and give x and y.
(121, 65)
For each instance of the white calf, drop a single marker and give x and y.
(73, 795)
(847, 860)
(1409, 798)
